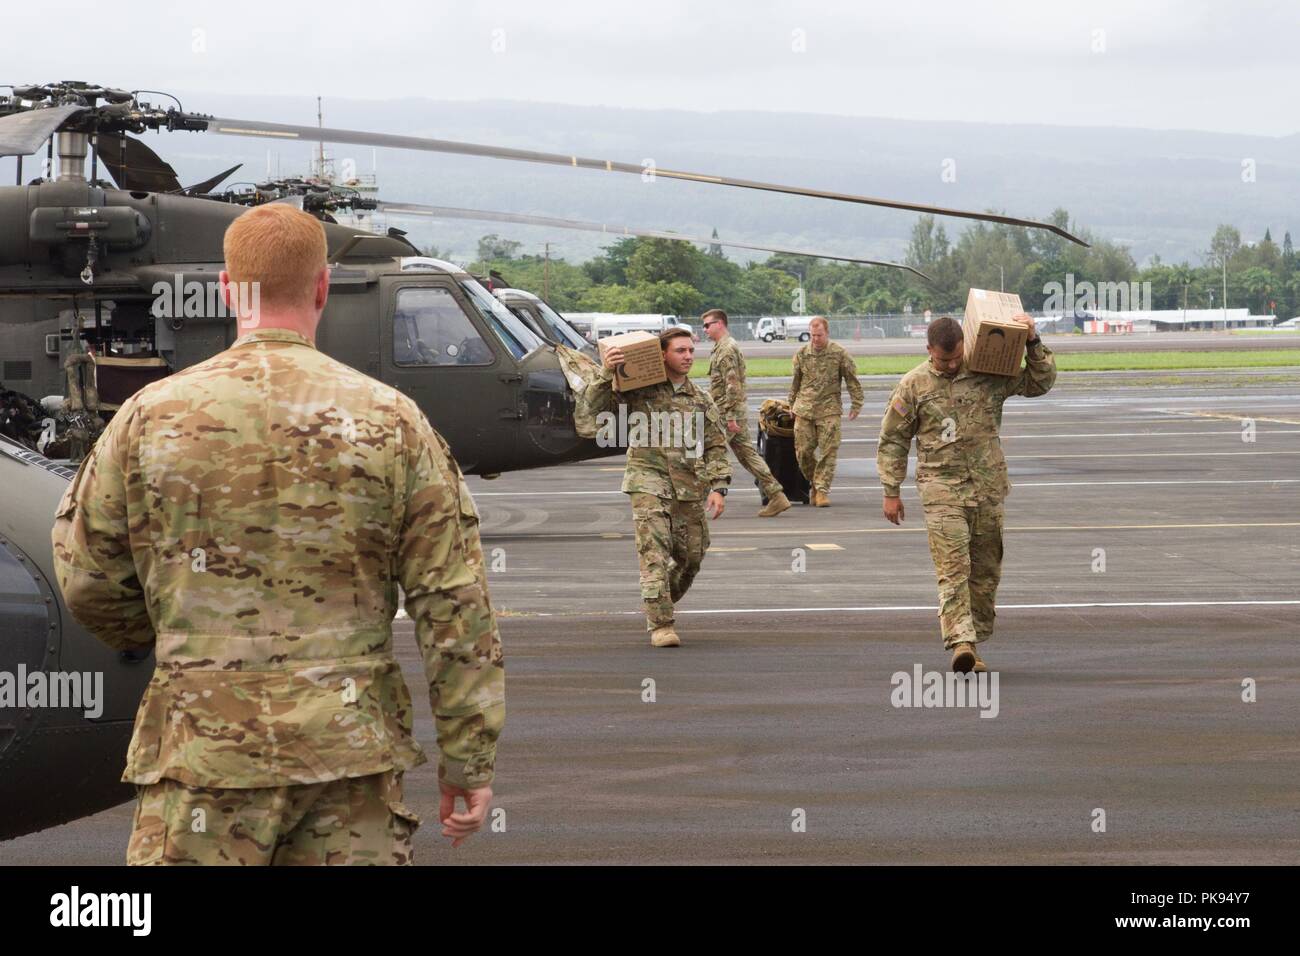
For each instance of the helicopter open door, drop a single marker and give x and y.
(434, 348)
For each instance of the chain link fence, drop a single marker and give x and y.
(854, 328)
(745, 328)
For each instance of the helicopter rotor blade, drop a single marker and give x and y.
(21, 134)
(142, 169)
(198, 189)
(284, 131)
(452, 212)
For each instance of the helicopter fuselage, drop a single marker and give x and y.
(132, 276)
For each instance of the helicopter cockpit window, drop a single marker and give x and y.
(429, 328)
(523, 316)
(565, 332)
(514, 335)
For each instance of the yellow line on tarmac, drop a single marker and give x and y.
(1237, 418)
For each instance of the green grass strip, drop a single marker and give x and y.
(1069, 362)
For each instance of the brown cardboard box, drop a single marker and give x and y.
(994, 344)
(643, 360)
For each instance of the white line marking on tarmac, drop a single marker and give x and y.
(787, 532)
(1133, 454)
(1001, 607)
(1018, 484)
(1009, 528)
(1230, 431)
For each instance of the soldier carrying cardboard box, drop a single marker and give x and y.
(676, 478)
(954, 413)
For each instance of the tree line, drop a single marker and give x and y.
(678, 278)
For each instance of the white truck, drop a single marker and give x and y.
(598, 325)
(781, 327)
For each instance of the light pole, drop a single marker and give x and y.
(1225, 291)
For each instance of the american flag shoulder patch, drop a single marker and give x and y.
(898, 406)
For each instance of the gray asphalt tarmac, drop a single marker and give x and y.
(1139, 342)
(1120, 690)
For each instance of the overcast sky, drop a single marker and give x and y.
(1224, 67)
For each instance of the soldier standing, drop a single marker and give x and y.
(819, 368)
(250, 520)
(961, 475)
(674, 476)
(727, 385)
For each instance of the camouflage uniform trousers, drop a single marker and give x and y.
(671, 538)
(742, 446)
(817, 448)
(352, 821)
(966, 546)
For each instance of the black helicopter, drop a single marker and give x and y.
(104, 289)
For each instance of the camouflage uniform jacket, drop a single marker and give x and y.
(667, 467)
(727, 380)
(250, 519)
(955, 422)
(815, 391)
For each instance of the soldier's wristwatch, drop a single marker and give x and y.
(720, 491)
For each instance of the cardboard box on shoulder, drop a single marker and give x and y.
(994, 343)
(643, 360)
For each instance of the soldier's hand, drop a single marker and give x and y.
(715, 505)
(894, 510)
(854, 414)
(614, 358)
(733, 427)
(459, 827)
(1025, 319)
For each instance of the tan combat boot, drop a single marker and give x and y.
(820, 499)
(775, 505)
(963, 657)
(980, 667)
(664, 637)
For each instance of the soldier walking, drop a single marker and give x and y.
(727, 385)
(250, 520)
(675, 477)
(815, 399)
(961, 475)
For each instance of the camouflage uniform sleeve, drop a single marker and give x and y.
(598, 396)
(1039, 373)
(897, 429)
(441, 570)
(732, 406)
(798, 377)
(849, 372)
(92, 549)
(717, 468)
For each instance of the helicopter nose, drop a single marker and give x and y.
(548, 406)
(66, 731)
